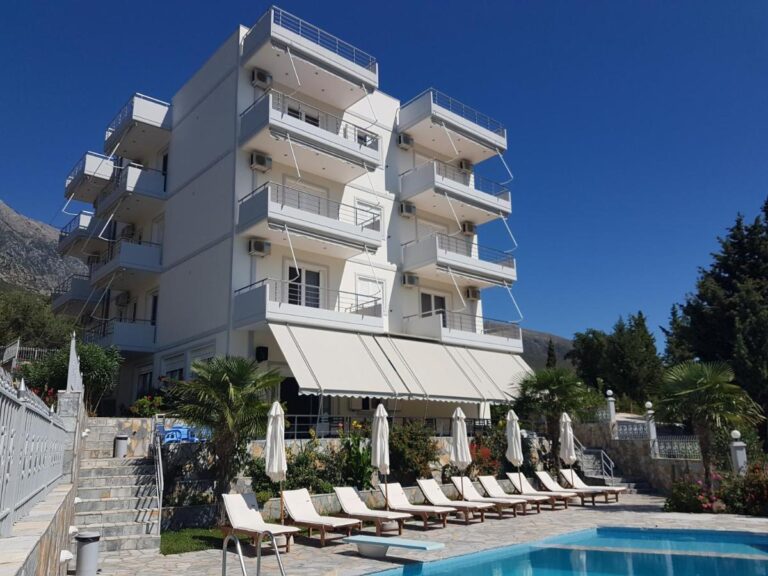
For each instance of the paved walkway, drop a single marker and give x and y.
(338, 559)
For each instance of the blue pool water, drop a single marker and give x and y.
(613, 552)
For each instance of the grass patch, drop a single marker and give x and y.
(192, 540)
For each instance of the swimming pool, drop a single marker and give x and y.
(613, 552)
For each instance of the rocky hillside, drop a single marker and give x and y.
(535, 348)
(28, 257)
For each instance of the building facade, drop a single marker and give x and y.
(283, 208)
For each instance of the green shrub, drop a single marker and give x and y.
(746, 494)
(147, 406)
(411, 451)
(685, 496)
(354, 457)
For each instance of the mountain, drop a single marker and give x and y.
(28, 257)
(535, 346)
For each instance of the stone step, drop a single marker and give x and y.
(98, 453)
(119, 543)
(121, 528)
(109, 462)
(107, 472)
(115, 491)
(99, 504)
(116, 480)
(117, 516)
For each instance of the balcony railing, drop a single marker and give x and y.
(463, 177)
(463, 246)
(320, 37)
(66, 285)
(113, 251)
(460, 109)
(302, 294)
(79, 222)
(475, 324)
(289, 197)
(79, 168)
(126, 112)
(120, 180)
(103, 328)
(294, 108)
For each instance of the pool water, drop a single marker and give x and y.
(613, 552)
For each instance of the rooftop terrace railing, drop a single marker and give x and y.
(320, 37)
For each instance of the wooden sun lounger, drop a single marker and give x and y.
(354, 507)
(302, 512)
(551, 485)
(435, 495)
(244, 518)
(523, 487)
(494, 490)
(398, 501)
(469, 492)
(572, 479)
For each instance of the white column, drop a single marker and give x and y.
(614, 429)
(651, 423)
(738, 454)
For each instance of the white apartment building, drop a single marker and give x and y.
(283, 208)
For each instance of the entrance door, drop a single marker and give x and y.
(304, 285)
(432, 303)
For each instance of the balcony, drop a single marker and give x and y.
(129, 336)
(466, 330)
(71, 296)
(282, 301)
(321, 143)
(137, 195)
(452, 129)
(328, 68)
(89, 177)
(458, 259)
(316, 224)
(75, 232)
(141, 128)
(126, 263)
(443, 189)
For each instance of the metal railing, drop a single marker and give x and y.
(632, 430)
(79, 168)
(158, 423)
(298, 426)
(479, 183)
(321, 38)
(119, 181)
(313, 204)
(472, 323)
(301, 294)
(676, 447)
(32, 443)
(126, 112)
(113, 251)
(14, 353)
(464, 246)
(80, 222)
(103, 328)
(460, 109)
(66, 285)
(287, 105)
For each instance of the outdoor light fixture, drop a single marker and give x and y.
(736, 435)
(648, 405)
(609, 393)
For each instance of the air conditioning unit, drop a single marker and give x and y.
(261, 78)
(410, 280)
(472, 293)
(404, 141)
(468, 228)
(259, 247)
(465, 165)
(123, 299)
(261, 162)
(128, 231)
(407, 209)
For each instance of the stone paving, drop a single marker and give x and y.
(337, 559)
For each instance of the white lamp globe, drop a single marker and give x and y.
(648, 405)
(609, 393)
(735, 435)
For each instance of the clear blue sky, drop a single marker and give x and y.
(637, 129)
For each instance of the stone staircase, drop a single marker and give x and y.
(592, 469)
(117, 497)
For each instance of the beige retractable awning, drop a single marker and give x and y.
(506, 370)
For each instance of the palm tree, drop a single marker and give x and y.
(704, 395)
(229, 397)
(549, 393)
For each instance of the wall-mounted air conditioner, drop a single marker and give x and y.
(261, 162)
(465, 165)
(409, 280)
(407, 209)
(261, 78)
(259, 247)
(468, 228)
(472, 293)
(404, 141)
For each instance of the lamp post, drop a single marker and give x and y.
(738, 454)
(651, 423)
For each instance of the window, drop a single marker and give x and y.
(173, 367)
(370, 294)
(144, 386)
(304, 287)
(306, 196)
(432, 304)
(368, 215)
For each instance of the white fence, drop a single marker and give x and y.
(32, 443)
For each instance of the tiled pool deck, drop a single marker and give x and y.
(307, 558)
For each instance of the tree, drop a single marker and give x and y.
(632, 364)
(726, 319)
(550, 392)
(99, 366)
(28, 316)
(677, 350)
(705, 396)
(551, 355)
(588, 355)
(228, 398)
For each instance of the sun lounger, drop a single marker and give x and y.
(244, 518)
(572, 479)
(551, 486)
(468, 492)
(435, 495)
(376, 546)
(299, 506)
(353, 506)
(494, 490)
(398, 501)
(523, 487)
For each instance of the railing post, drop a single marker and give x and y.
(738, 454)
(613, 427)
(651, 423)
